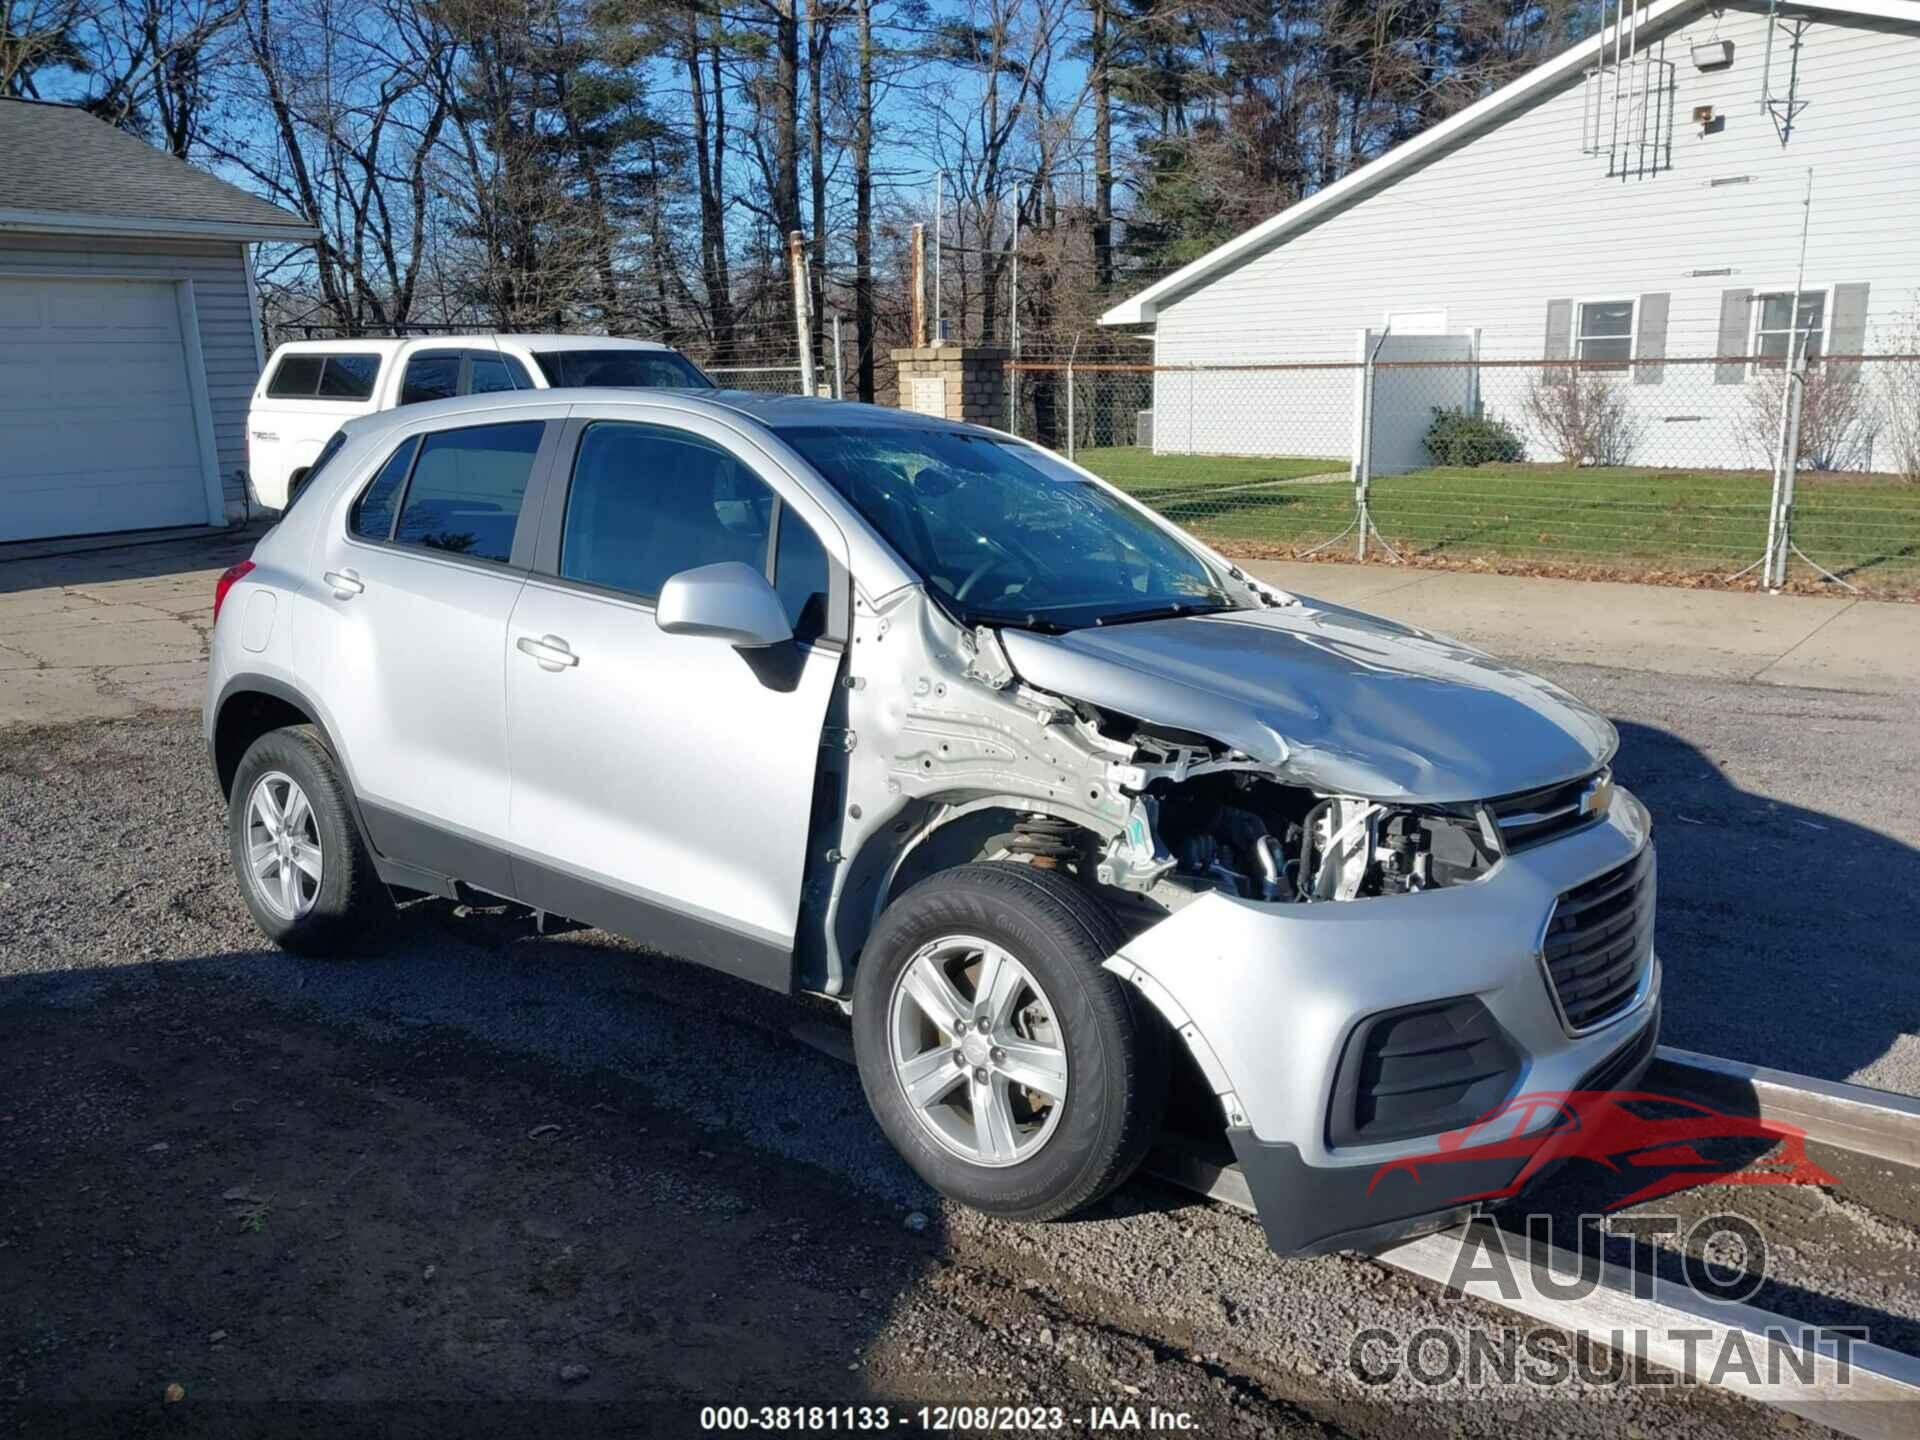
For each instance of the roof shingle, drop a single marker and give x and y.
(59, 160)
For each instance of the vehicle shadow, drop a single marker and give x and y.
(1785, 933)
(404, 1222)
(41, 565)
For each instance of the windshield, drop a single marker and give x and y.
(1005, 534)
(621, 369)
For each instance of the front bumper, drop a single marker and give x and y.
(1267, 996)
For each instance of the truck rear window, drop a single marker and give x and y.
(324, 377)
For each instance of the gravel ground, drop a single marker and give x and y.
(119, 919)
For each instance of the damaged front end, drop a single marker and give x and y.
(1340, 848)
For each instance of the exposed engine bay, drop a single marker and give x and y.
(1255, 838)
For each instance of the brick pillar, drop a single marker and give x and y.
(956, 382)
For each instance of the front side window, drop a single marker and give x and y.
(1778, 320)
(647, 503)
(431, 376)
(1606, 333)
(467, 488)
(1003, 534)
(621, 369)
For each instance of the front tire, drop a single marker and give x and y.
(304, 871)
(1053, 1101)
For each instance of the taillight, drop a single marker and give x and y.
(229, 577)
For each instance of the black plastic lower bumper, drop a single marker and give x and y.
(1312, 1210)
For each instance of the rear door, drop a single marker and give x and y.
(663, 785)
(417, 572)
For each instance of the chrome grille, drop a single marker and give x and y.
(1599, 943)
(1534, 817)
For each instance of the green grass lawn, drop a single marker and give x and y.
(1865, 528)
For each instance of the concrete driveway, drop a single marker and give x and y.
(103, 633)
(107, 632)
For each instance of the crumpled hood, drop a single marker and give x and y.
(1342, 702)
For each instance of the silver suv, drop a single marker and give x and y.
(1065, 808)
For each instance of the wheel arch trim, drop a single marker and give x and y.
(250, 682)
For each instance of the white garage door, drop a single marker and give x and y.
(97, 427)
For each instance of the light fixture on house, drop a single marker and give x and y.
(1713, 55)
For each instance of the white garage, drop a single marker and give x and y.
(129, 339)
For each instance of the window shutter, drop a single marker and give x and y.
(1559, 330)
(1651, 346)
(1847, 330)
(1736, 308)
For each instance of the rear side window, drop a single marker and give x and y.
(297, 377)
(372, 515)
(349, 377)
(467, 488)
(324, 377)
(430, 377)
(490, 373)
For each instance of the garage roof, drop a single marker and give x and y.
(62, 170)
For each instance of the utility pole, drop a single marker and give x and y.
(939, 200)
(797, 258)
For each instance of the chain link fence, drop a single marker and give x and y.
(1689, 471)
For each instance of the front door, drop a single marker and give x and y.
(415, 579)
(663, 784)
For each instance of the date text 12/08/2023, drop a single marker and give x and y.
(936, 1419)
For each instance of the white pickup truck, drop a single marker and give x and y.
(310, 387)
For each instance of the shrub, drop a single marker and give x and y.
(1838, 421)
(1460, 437)
(1900, 393)
(1582, 415)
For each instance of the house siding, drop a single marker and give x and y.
(218, 272)
(1511, 226)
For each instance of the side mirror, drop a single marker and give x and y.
(728, 601)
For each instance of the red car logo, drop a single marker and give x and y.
(1625, 1132)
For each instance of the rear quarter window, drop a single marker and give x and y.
(296, 377)
(349, 377)
(324, 377)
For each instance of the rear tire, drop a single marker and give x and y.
(305, 873)
(983, 1128)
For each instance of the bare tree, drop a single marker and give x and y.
(1838, 420)
(38, 35)
(1582, 414)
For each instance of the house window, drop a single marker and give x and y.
(1606, 333)
(1775, 324)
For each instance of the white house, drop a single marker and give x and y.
(129, 342)
(1663, 191)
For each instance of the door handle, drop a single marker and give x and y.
(345, 584)
(549, 650)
